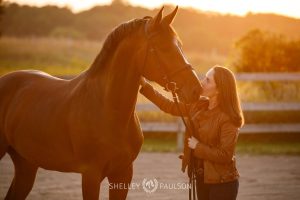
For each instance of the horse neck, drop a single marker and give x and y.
(118, 81)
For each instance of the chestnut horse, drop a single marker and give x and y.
(88, 124)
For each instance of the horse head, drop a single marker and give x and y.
(164, 61)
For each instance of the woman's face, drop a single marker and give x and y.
(209, 84)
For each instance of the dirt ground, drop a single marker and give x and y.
(262, 178)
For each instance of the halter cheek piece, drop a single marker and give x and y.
(169, 84)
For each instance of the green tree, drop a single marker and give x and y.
(292, 53)
(32, 21)
(265, 51)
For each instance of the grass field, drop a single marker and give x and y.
(54, 56)
(66, 56)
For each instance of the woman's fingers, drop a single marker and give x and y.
(192, 142)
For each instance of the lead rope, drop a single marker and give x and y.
(191, 131)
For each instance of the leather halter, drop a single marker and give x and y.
(168, 76)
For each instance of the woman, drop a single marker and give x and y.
(217, 117)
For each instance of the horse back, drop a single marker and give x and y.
(14, 83)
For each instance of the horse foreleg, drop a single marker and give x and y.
(119, 184)
(24, 178)
(91, 185)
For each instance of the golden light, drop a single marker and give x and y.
(75, 5)
(237, 7)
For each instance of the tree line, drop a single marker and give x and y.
(198, 30)
(275, 38)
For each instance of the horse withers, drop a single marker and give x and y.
(88, 124)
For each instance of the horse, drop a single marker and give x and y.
(88, 124)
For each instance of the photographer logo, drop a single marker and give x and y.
(150, 185)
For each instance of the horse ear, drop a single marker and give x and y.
(170, 17)
(157, 19)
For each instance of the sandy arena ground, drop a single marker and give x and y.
(262, 178)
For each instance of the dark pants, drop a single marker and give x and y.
(220, 191)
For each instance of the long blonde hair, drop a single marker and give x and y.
(228, 98)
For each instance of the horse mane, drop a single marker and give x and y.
(116, 36)
(113, 39)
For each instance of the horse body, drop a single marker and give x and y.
(87, 124)
(69, 123)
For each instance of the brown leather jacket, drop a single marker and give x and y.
(217, 136)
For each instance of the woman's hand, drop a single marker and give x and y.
(143, 81)
(192, 142)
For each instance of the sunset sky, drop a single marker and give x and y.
(238, 7)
